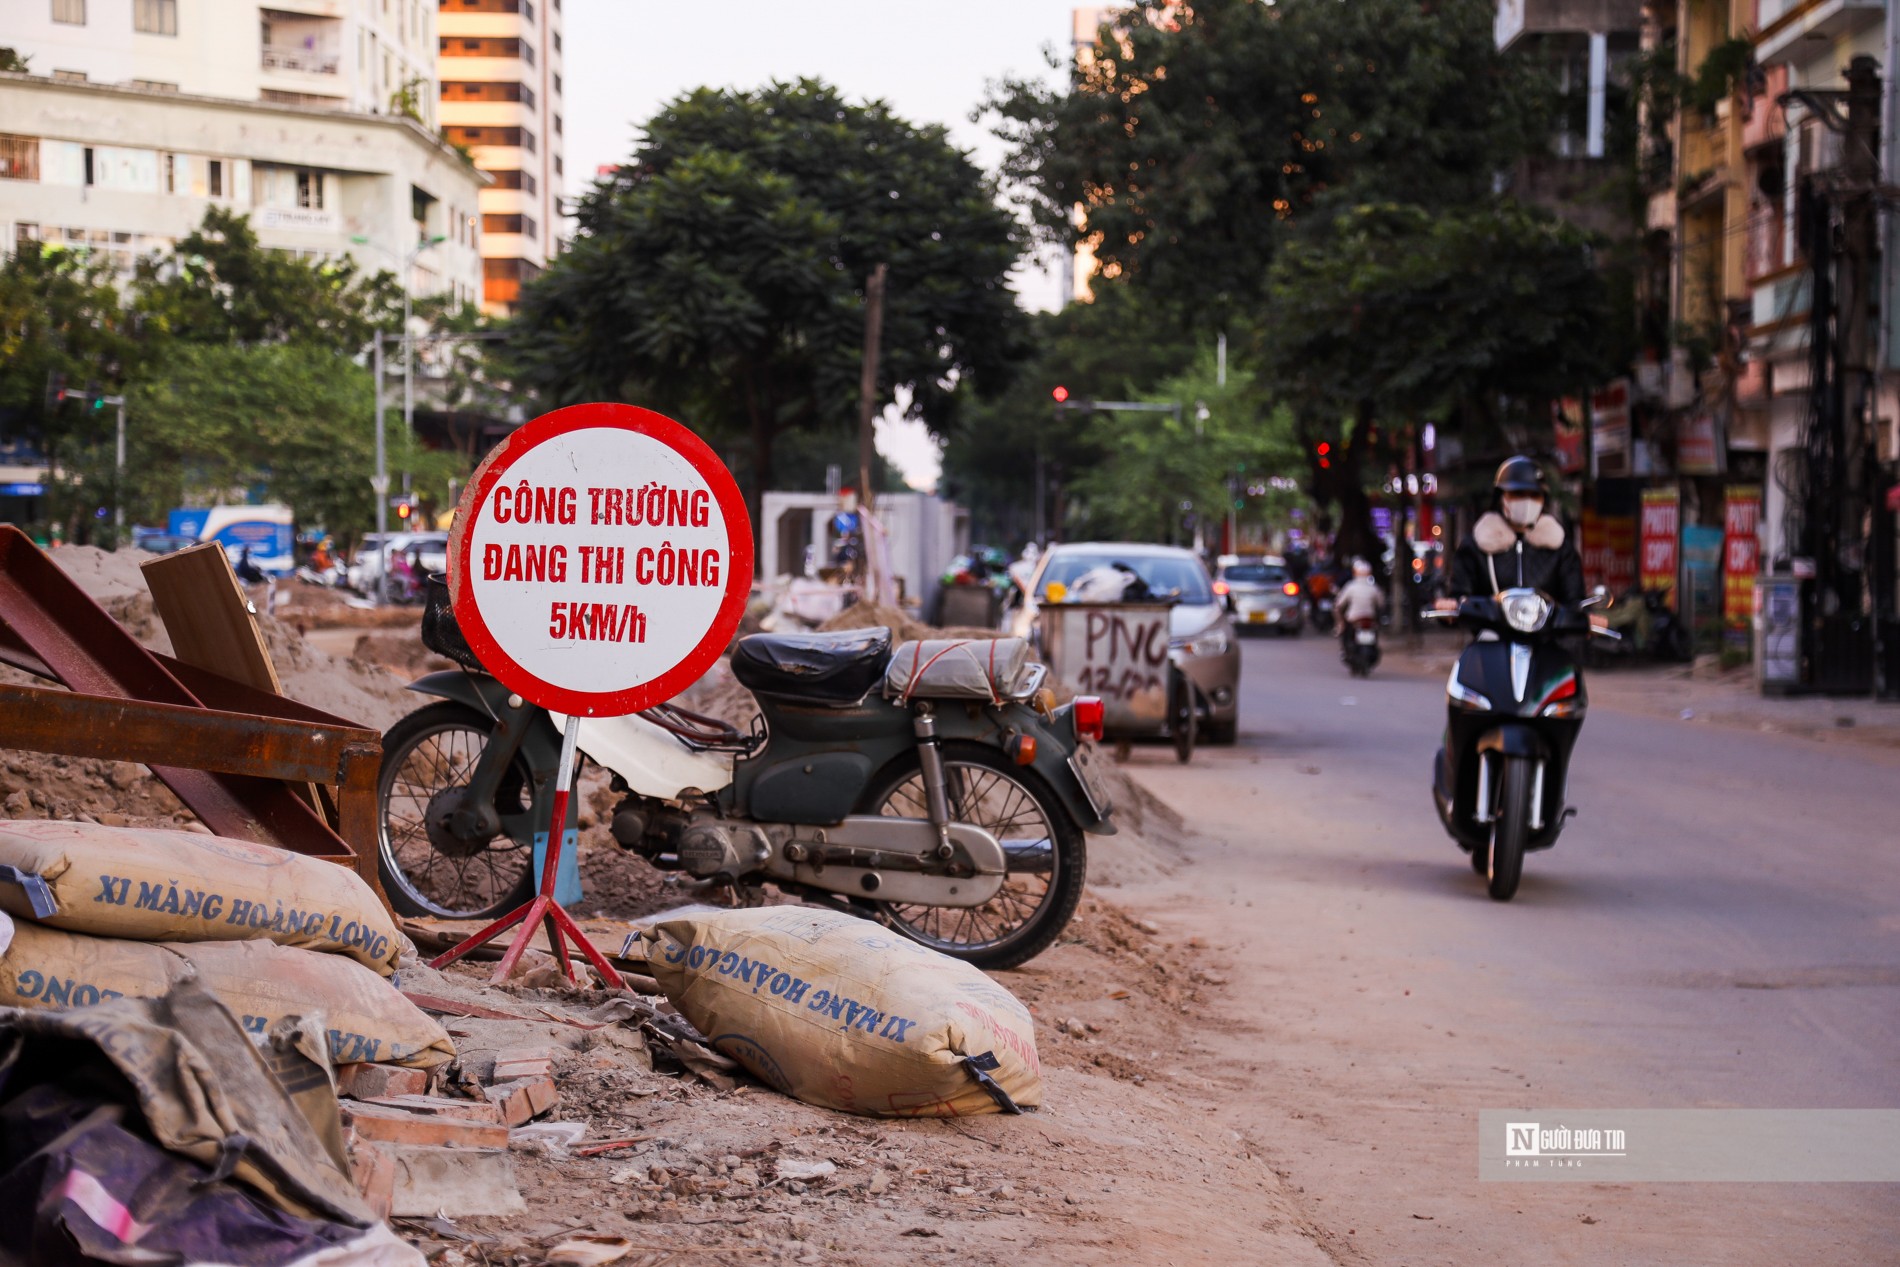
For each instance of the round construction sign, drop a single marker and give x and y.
(600, 561)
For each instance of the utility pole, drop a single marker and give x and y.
(118, 495)
(379, 482)
(867, 382)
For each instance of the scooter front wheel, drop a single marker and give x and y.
(426, 870)
(1510, 829)
(1016, 806)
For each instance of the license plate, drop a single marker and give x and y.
(1083, 764)
(1256, 618)
(1366, 637)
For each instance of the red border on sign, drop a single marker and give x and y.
(725, 491)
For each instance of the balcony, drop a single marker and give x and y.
(1767, 122)
(1784, 24)
(299, 42)
(308, 61)
(1768, 251)
(1521, 19)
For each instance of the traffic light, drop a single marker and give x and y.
(1325, 462)
(404, 509)
(1061, 393)
(55, 391)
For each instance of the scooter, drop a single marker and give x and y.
(1517, 703)
(1360, 646)
(935, 787)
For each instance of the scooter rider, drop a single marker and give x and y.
(1516, 544)
(1359, 597)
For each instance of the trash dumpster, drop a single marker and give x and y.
(1118, 651)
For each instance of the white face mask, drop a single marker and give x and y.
(1523, 511)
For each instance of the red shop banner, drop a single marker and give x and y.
(1661, 540)
(1741, 553)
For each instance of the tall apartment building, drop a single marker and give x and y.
(500, 63)
(367, 56)
(312, 117)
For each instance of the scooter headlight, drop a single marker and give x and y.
(1524, 610)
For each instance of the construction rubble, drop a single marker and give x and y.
(325, 1094)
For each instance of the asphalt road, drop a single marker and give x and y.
(1720, 927)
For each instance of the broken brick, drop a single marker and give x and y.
(522, 1062)
(373, 1171)
(523, 1098)
(387, 1124)
(376, 1082)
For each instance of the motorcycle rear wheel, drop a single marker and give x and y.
(1510, 829)
(427, 752)
(1012, 803)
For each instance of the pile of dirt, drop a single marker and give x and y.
(352, 690)
(728, 1168)
(903, 627)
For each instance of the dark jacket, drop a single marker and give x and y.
(1542, 558)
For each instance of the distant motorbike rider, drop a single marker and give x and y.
(1517, 544)
(1359, 598)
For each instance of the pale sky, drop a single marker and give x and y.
(931, 62)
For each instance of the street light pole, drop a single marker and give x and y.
(380, 483)
(118, 496)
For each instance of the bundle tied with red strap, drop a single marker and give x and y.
(992, 669)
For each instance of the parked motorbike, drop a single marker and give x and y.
(1517, 703)
(1646, 625)
(1360, 646)
(934, 787)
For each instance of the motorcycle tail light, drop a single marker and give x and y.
(1290, 590)
(1091, 715)
(1221, 587)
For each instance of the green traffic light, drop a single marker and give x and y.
(98, 403)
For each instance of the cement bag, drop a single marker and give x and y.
(152, 885)
(365, 1017)
(842, 1013)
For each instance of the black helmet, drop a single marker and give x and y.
(1520, 475)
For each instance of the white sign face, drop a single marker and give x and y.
(599, 561)
(1116, 651)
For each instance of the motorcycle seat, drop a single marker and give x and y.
(833, 669)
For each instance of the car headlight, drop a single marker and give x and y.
(1524, 610)
(1213, 641)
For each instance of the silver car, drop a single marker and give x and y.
(1200, 634)
(1260, 593)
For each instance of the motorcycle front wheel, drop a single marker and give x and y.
(426, 870)
(1016, 806)
(1510, 829)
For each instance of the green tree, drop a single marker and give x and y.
(1199, 138)
(1396, 316)
(1152, 466)
(217, 285)
(1116, 348)
(719, 274)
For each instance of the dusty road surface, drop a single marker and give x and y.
(1720, 928)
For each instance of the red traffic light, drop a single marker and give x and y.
(1061, 394)
(1324, 448)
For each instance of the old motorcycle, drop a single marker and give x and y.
(934, 786)
(1516, 705)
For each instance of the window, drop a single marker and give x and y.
(557, 43)
(310, 190)
(155, 17)
(524, 181)
(154, 85)
(168, 174)
(492, 136)
(487, 46)
(559, 167)
(19, 157)
(524, 225)
(214, 176)
(90, 169)
(527, 11)
(23, 232)
(71, 12)
(557, 85)
(557, 125)
(453, 90)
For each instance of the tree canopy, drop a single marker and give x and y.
(720, 273)
(1197, 140)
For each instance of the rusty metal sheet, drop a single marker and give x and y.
(85, 649)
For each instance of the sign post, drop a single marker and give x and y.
(599, 564)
